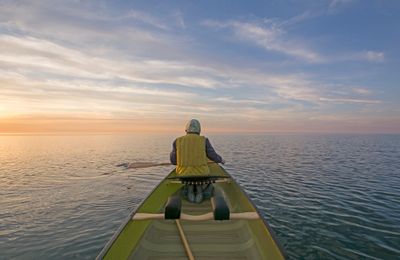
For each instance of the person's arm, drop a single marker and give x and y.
(172, 155)
(212, 154)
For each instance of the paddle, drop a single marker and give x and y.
(137, 165)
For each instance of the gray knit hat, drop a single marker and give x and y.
(193, 126)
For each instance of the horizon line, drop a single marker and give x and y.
(203, 132)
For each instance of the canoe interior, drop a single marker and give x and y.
(210, 239)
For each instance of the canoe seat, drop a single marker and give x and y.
(173, 208)
(220, 207)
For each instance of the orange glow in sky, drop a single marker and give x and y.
(85, 125)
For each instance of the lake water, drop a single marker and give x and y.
(325, 196)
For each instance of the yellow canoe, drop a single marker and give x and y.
(191, 230)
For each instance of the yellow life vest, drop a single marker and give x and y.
(191, 158)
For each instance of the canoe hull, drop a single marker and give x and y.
(207, 239)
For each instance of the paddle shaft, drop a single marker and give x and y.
(184, 240)
(146, 165)
(137, 165)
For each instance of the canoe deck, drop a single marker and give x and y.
(230, 239)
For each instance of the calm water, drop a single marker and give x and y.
(325, 196)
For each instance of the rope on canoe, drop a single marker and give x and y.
(206, 216)
(184, 240)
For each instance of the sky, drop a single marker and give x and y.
(329, 66)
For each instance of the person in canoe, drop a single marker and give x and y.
(190, 154)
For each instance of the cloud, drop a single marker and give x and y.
(361, 91)
(350, 100)
(373, 56)
(145, 18)
(272, 36)
(93, 30)
(240, 101)
(300, 18)
(268, 35)
(71, 13)
(363, 56)
(92, 99)
(45, 56)
(338, 3)
(35, 69)
(179, 20)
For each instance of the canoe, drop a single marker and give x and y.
(167, 226)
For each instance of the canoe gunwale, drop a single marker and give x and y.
(109, 244)
(270, 230)
(105, 249)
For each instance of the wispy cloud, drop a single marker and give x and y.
(118, 85)
(268, 35)
(42, 55)
(350, 100)
(179, 19)
(373, 56)
(272, 36)
(145, 18)
(361, 91)
(129, 33)
(337, 3)
(360, 56)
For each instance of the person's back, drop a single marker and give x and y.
(191, 158)
(190, 153)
